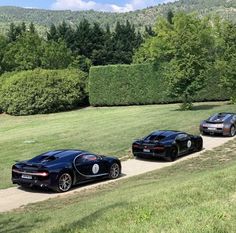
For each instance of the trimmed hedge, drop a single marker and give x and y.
(116, 85)
(42, 91)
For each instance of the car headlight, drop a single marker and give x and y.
(227, 126)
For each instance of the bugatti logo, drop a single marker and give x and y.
(95, 169)
(145, 147)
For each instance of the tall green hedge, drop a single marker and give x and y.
(139, 84)
(42, 91)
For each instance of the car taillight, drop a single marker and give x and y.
(15, 170)
(135, 146)
(42, 174)
(158, 148)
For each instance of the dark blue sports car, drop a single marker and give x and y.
(167, 144)
(61, 169)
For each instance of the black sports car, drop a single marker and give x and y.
(220, 123)
(167, 144)
(61, 169)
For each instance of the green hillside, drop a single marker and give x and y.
(140, 18)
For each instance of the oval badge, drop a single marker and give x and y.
(189, 144)
(95, 169)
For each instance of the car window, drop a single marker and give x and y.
(171, 137)
(181, 136)
(154, 137)
(85, 158)
(220, 117)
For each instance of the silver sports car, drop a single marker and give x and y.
(221, 123)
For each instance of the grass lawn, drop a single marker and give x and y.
(108, 131)
(196, 195)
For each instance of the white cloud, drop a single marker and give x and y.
(92, 5)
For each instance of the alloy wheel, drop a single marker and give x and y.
(114, 171)
(65, 182)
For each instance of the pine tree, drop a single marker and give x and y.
(52, 34)
(32, 29)
(170, 16)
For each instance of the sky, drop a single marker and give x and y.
(99, 5)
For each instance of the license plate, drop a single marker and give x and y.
(146, 150)
(211, 128)
(27, 177)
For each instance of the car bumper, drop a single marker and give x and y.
(215, 131)
(34, 182)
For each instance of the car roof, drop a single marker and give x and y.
(223, 116)
(226, 113)
(64, 153)
(166, 133)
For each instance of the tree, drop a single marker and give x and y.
(55, 55)
(124, 42)
(170, 16)
(149, 31)
(3, 45)
(13, 33)
(83, 39)
(191, 45)
(52, 34)
(225, 64)
(98, 37)
(183, 52)
(24, 54)
(82, 63)
(32, 29)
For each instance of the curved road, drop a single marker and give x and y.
(16, 197)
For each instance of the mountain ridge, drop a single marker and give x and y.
(140, 18)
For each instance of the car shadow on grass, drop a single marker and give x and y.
(89, 184)
(152, 159)
(216, 136)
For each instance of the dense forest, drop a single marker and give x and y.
(140, 18)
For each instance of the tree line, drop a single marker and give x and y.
(186, 50)
(65, 46)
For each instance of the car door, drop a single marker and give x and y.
(89, 166)
(184, 143)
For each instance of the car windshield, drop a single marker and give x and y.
(154, 137)
(43, 158)
(220, 117)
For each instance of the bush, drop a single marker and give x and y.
(43, 91)
(140, 84)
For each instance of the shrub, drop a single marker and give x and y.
(140, 84)
(43, 91)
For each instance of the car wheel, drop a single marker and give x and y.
(64, 182)
(114, 171)
(173, 153)
(232, 131)
(199, 146)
